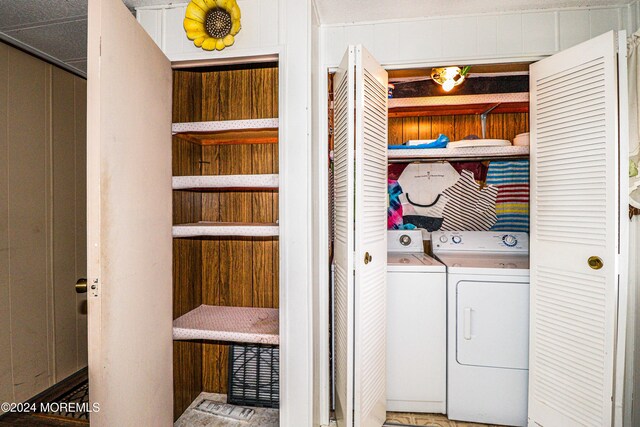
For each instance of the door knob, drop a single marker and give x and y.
(595, 262)
(367, 258)
(81, 286)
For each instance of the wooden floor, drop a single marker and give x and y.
(50, 395)
(429, 420)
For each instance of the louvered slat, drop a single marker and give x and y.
(343, 243)
(573, 216)
(371, 238)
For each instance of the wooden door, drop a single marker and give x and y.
(360, 239)
(575, 229)
(128, 221)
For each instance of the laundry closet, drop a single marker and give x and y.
(573, 112)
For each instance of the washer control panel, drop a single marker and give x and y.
(405, 241)
(481, 241)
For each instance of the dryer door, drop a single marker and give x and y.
(493, 324)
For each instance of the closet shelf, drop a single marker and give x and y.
(239, 182)
(459, 104)
(465, 153)
(253, 131)
(237, 324)
(205, 228)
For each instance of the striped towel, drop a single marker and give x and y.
(512, 204)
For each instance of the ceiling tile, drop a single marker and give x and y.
(15, 14)
(64, 41)
(80, 65)
(139, 3)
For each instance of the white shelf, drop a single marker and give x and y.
(459, 153)
(236, 324)
(203, 182)
(204, 228)
(437, 101)
(256, 131)
(224, 125)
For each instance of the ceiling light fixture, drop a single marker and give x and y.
(449, 77)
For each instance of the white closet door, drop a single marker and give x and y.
(128, 221)
(344, 164)
(360, 180)
(370, 241)
(574, 223)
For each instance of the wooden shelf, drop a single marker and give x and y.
(459, 105)
(465, 153)
(235, 324)
(226, 182)
(239, 229)
(452, 110)
(254, 131)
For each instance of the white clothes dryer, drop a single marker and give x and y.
(488, 324)
(416, 326)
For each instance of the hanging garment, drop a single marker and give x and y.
(394, 211)
(422, 183)
(512, 205)
(434, 210)
(426, 222)
(468, 208)
(479, 169)
(395, 170)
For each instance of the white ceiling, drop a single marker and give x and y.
(347, 11)
(57, 29)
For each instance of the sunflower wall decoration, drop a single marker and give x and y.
(212, 24)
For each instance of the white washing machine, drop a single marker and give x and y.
(488, 324)
(416, 326)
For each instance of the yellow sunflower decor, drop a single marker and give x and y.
(212, 24)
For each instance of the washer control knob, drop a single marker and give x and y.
(456, 239)
(405, 240)
(443, 239)
(509, 240)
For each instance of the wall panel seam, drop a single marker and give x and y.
(50, 301)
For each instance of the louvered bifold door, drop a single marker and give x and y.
(574, 235)
(344, 164)
(370, 241)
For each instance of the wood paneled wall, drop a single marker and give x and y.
(43, 333)
(499, 126)
(230, 271)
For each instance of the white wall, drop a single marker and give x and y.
(320, 279)
(260, 26)
(296, 342)
(479, 38)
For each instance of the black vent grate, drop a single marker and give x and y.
(254, 375)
